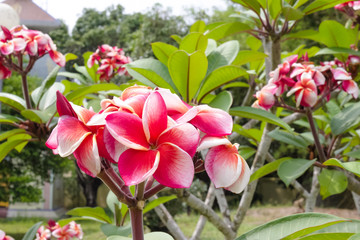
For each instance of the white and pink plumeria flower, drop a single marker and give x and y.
(150, 133)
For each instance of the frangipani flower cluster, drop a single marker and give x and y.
(309, 83)
(70, 231)
(151, 133)
(3, 236)
(345, 7)
(21, 41)
(111, 61)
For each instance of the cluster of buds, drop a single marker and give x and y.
(150, 134)
(55, 231)
(20, 41)
(3, 236)
(310, 84)
(111, 61)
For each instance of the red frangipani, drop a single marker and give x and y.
(150, 134)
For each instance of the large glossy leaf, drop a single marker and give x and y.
(328, 236)
(220, 77)
(84, 71)
(247, 56)
(259, 114)
(49, 97)
(285, 226)
(332, 182)
(353, 167)
(289, 138)
(290, 170)
(187, 71)
(22, 137)
(6, 134)
(351, 226)
(222, 101)
(154, 78)
(227, 29)
(193, 42)
(354, 154)
(156, 202)
(319, 5)
(223, 55)
(90, 73)
(267, 169)
(112, 200)
(8, 119)
(77, 76)
(80, 93)
(31, 115)
(110, 230)
(13, 101)
(97, 213)
(337, 50)
(198, 26)
(46, 84)
(246, 152)
(235, 84)
(275, 7)
(292, 14)
(31, 233)
(9, 145)
(162, 51)
(254, 5)
(346, 119)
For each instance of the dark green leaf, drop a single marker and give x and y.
(80, 93)
(329, 236)
(267, 169)
(110, 230)
(332, 182)
(346, 119)
(285, 226)
(354, 154)
(31, 233)
(156, 202)
(246, 152)
(97, 213)
(290, 170)
(289, 138)
(222, 101)
(292, 14)
(259, 114)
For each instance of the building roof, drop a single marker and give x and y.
(32, 16)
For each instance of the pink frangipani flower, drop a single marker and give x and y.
(154, 148)
(64, 233)
(43, 234)
(305, 91)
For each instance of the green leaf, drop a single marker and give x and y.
(194, 42)
(267, 169)
(70, 56)
(97, 213)
(354, 154)
(334, 34)
(292, 14)
(111, 200)
(162, 51)
(275, 8)
(246, 152)
(31, 233)
(251, 4)
(259, 114)
(235, 84)
(253, 43)
(329, 236)
(77, 76)
(282, 227)
(80, 93)
(309, 230)
(212, 45)
(332, 182)
(247, 56)
(7, 146)
(49, 97)
(8, 119)
(337, 50)
(110, 230)
(156, 202)
(352, 226)
(353, 237)
(353, 167)
(299, 3)
(22, 137)
(148, 236)
(222, 101)
(346, 119)
(13, 101)
(46, 84)
(154, 78)
(187, 72)
(219, 77)
(31, 115)
(289, 138)
(227, 29)
(198, 26)
(10, 133)
(177, 38)
(319, 5)
(290, 170)
(89, 73)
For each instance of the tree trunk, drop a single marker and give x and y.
(315, 189)
(89, 185)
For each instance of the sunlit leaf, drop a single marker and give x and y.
(156, 202)
(162, 51)
(96, 212)
(353, 167)
(332, 182)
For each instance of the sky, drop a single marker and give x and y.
(70, 10)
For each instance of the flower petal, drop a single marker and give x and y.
(213, 121)
(243, 180)
(52, 142)
(83, 114)
(127, 128)
(137, 103)
(351, 87)
(136, 166)
(135, 91)
(113, 147)
(184, 136)
(210, 141)
(7, 48)
(176, 168)
(154, 117)
(63, 106)
(87, 156)
(223, 165)
(71, 133)
(174, 104)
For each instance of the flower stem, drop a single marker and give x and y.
(152, 191)
(25, 90)
(136, 217)
(314, 132)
